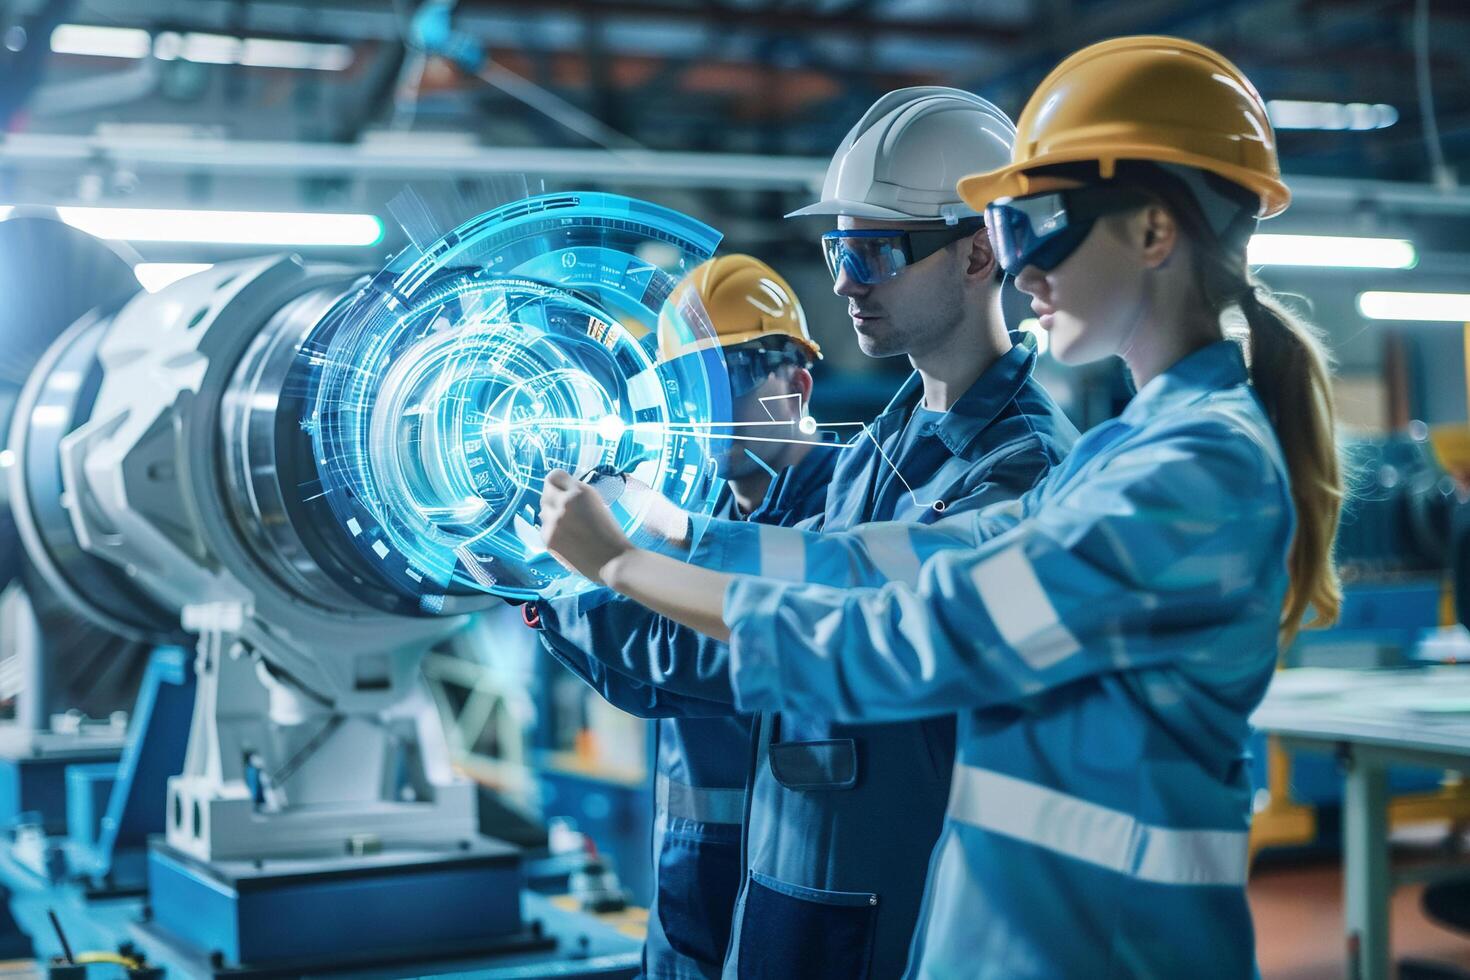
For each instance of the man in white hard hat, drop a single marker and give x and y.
(842, 818)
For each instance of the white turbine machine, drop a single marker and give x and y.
(313, 477)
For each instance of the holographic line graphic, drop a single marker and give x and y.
(938, 504)
(809, 425)
(441, 393)
(762, 464)
(778, 398)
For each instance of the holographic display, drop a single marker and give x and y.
(443, 391)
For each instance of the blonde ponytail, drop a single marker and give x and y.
(1291, 374)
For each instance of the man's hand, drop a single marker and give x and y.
(577, 526)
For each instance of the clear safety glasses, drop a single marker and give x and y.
(1044, 229)
(870, 256)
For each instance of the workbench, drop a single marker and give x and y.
(1371, 720)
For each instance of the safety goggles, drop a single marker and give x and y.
(870, 256)
(749, 367)
(1044, 229)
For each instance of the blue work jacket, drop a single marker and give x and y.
(1105, 639)
(704, 748)
(845, 812)
(843, 816)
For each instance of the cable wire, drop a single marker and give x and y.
(1440, 172)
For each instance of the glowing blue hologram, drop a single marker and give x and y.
(524, 340)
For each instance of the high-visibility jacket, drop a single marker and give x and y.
(1105, 639)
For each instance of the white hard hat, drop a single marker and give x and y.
(905, 156)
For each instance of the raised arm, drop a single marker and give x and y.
(579, 528)
(1171, 556)
(874, 554)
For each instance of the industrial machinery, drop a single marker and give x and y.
(314, 476)
(66, 685)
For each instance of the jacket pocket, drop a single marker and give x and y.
(698, 882)
(791, 931)
(817, 765)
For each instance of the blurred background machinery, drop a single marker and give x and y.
(314, 478)
(196, 135)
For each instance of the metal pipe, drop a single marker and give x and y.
(295, 159)
(643, 168)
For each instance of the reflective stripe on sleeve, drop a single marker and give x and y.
(783, 553)
(702, 804)
(1096, 834)
(892, 552)
(1020, 610)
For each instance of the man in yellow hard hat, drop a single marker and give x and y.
(768, 352)
(777, 473)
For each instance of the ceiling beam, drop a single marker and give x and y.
(778, 21)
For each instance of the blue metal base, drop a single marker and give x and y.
(328, 911)
(33, 787)
(574, 946)
(557, 943)
(113, 811)
(14, 943)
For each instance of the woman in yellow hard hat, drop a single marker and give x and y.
(1106, 638)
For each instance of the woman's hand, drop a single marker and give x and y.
(577, 526)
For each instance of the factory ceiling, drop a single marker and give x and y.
(781, 78)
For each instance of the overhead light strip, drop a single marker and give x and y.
(213, 49)
(1432, 307)
(1331, 116)
(1332, 251)
(225, 227)
(101, 42)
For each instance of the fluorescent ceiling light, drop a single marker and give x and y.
(225, 227)
(211, 49)
(153, 276)
(101, 42)
(1446, 307)
(1332, 251)
(207, 49)
(1357, 116)
(263, 52)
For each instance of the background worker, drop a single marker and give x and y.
(703, 750)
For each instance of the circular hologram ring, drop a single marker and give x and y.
(442, 396)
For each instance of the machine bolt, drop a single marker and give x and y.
(361, 845)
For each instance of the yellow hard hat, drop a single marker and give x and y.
(1158, 99)
(745, 299)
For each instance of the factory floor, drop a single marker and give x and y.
(1299, 931)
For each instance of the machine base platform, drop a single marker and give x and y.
(33, 778)
(312, 913)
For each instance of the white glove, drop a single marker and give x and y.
(663, 525)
